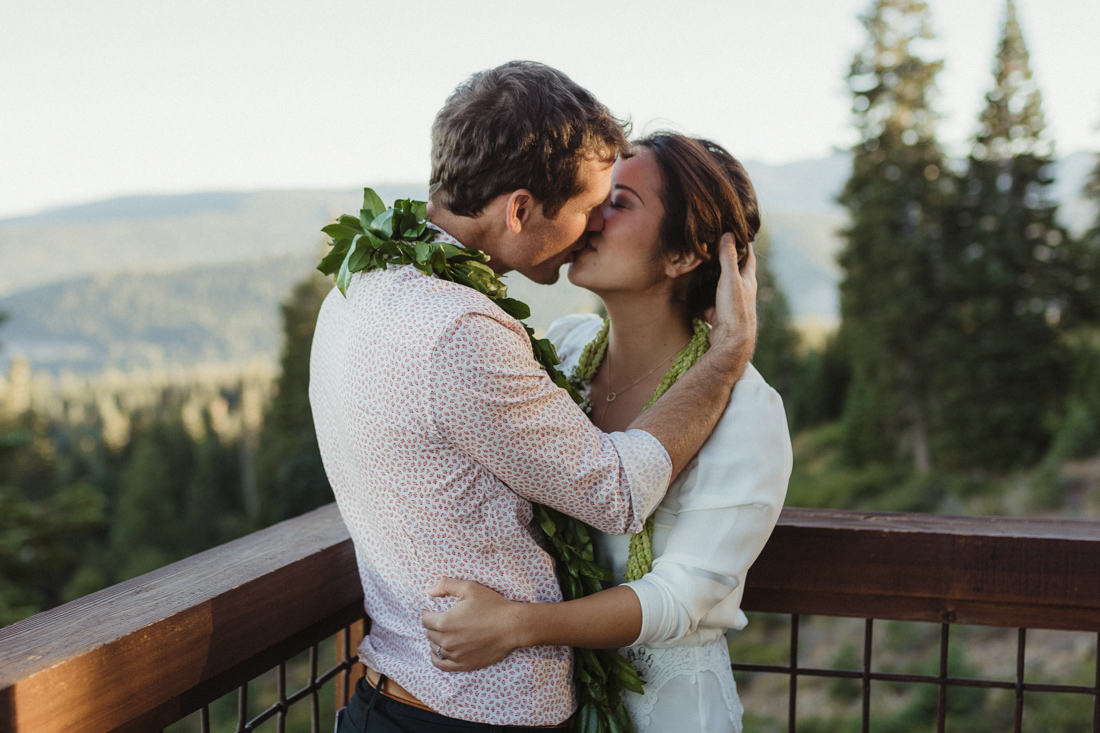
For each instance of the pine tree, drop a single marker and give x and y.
(1091, 240)
(1009, 282)
(776, 354)
(1078, 434)
(148, 525)
(45, 526)
(821, 385)
(214, 504)
(290, 474)
(892, 258)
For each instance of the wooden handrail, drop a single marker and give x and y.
(144, 653)
(993, 571)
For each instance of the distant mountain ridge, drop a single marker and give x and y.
(161, 233)
(144, 281)
(153, 321)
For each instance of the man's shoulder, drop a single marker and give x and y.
(404, 297)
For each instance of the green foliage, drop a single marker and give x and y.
(1011, 284)
(1060, 712)
(846, 690)
(822, 478)
(176, 498)
(291, 479)
(40, 546)
(821, 385)
(600, 674)
(776, 355)
(894, 199)
(146, 532)
(93, 511)
(1092, 193)
(966, 706)
(1077, 434)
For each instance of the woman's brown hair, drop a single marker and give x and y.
(706, 193)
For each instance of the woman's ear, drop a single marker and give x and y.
(518, 209)
(682, 264)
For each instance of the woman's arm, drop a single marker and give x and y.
(728, 507)
(484, 627)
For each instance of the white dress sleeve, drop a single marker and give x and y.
(726, 508)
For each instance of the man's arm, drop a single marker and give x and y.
(685, 415)
(491, 399)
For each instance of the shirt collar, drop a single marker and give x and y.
(443, 236)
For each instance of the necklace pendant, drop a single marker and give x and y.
(611, 396)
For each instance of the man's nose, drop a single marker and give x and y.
(595, 220)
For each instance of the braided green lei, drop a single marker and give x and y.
(640, 557)
(400, 235)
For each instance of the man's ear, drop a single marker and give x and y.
(518, 209)
(682, 264)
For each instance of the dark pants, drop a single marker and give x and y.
(387, 715)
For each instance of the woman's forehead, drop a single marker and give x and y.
(638, 172)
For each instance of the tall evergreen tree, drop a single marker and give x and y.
(1010, 280)
(1092, 193)
(44, 526)
(290, 474)
(1079, 432)
(892, 257)
(148, 523)
(776, 354)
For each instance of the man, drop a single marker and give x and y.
(437, 426)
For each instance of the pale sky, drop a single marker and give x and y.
(123, 97)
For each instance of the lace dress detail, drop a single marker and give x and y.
(690, 666)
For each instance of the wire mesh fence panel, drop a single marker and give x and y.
(844, 674)
(298, 695)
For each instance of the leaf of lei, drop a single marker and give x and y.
(400, 235)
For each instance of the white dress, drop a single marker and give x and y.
(708, 530)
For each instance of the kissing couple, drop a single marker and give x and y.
(439, 429)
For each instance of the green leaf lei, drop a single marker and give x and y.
(400, 235)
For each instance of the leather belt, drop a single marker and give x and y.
(396, 692)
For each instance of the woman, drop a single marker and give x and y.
(651, 257)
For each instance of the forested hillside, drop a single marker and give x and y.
(153, 321)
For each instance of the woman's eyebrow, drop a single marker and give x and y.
(628, 188)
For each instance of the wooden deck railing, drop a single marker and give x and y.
(991, 571)
(142, 654)
(145, 653)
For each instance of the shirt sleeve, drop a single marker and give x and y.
(493, 400)
(729, 504)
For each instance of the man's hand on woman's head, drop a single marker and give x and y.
(734, 313)
(479, 630)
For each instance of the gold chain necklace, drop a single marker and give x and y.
(612, 395)
(640, 556)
